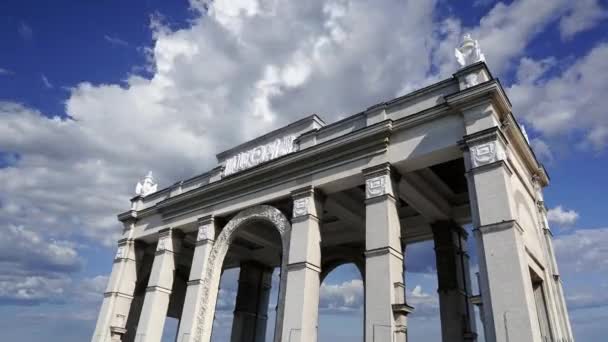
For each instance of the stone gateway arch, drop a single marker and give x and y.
(445, 163)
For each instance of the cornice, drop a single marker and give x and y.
(525, 150)
(423, 116)
(299, 163)
(128, 216)
(473, 67)
(473, 96)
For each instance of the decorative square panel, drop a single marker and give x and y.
(486, 153)
(120, 253)
(300, 207)
(204, 233)
(375, 186)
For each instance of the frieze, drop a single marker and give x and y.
(260, 154)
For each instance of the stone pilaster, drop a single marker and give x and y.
(505, 281)
(385, 307)
(302, 293)
(205, 239)
(251, 308)
(456, 310)
(158, 292)
(112, 321)
(556, 301)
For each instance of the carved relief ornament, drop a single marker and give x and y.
(375, 186)
(487, 153)
(161, 245)
(260, 154)
(205, 232)
(218, 253)
(120, 253)
(300, 207)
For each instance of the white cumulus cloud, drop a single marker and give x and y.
(344, 297)
(552, 107)
(585, 250)
(562, 217)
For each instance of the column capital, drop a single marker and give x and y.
(208, 219)
(380, 181)
(206, 229)
(485, 147)
(125, 249)
(168, 240)
(379, 170)
(307, 203)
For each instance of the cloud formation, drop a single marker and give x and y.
(34, 269)
(584, 250)
(115, 40)
(46, 82)
(241, 69)
(342, 298)
(562, 217)
(551, 106)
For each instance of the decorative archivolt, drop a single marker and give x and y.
(212, 275)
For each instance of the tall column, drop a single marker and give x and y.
(158, 292)
(385, 308)
(456, 310)
(204, 243)
(112, 320)
(251, 308)
(301, 313)
(505, 280)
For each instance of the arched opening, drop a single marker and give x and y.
(248, 254)
(341, 303)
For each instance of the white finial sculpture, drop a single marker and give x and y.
(146, 187)
(525, 134)
(468, 52)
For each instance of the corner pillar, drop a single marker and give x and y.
(303, 270)
(505, 280)
(158, 292)
(112, 321)
(189, 322)
(385, 307)
(456, 310)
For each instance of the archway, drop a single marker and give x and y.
(252, 218)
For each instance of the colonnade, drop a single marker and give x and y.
(386, 309)
(509, 306)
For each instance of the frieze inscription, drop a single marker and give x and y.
(259, 154)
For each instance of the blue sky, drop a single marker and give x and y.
(94, 94)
